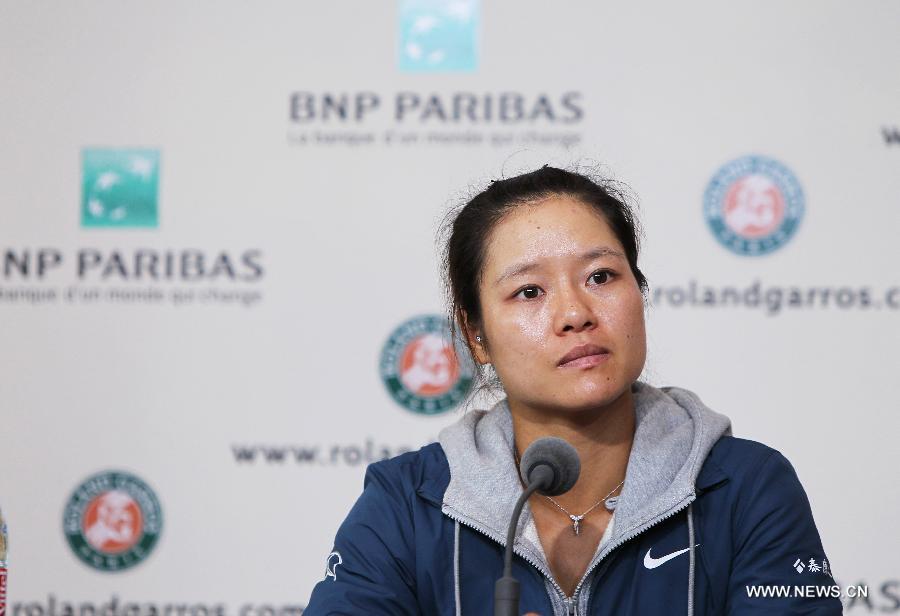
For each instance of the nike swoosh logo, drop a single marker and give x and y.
(653, 563)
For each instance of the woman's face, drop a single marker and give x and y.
(556, 278)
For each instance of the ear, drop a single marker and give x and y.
(478, 348)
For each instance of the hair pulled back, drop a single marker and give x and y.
(469, 228)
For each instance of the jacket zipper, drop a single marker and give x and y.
(641, 529)
(492, 536)
(571, 603)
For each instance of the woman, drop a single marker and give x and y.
(670, 515)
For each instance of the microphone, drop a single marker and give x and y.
(552, 464)
(549, 466)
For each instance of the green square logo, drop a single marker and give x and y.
(119, 188)
(438, 35)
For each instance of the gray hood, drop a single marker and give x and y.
(674, 432)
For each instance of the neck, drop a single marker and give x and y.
(602, 437)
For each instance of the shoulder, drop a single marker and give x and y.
(392, 495)
(755, 495)
(424, 472)
(754, 478)
(756, 521)
(740, 456)
(729, 447)
(742, 459)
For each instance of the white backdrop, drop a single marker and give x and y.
(328, 227)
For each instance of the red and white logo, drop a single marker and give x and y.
(428, 366)
(754, 206)
(112, 522)
(422, 368)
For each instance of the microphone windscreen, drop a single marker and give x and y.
(559, 456)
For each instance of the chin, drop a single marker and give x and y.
(590, 398)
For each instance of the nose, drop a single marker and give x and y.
(574, 311)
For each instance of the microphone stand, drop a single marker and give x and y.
(506, 590)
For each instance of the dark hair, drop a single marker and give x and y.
(470, 226)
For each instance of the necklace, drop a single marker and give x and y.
(576, 519)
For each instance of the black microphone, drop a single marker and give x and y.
(551, 467)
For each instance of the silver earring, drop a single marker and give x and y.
(477, 338)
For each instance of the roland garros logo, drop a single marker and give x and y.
(112, 521)
(753, 205)
(421, 369)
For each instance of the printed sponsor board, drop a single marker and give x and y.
(112, 521)
(119, 187)
(422, 369)
(438, 36)
(435, 119)
(753, 205)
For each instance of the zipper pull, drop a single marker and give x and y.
(571, 606)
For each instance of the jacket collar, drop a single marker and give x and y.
(711, 476)
(674, 432)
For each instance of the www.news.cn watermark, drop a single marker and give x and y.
(787, 591)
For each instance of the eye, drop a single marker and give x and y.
(529, 291)
(602, 276)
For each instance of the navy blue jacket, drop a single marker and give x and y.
(397, 553)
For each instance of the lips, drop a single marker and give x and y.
(582, 351)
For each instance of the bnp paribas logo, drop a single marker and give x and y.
(119, 187)
(438, 35)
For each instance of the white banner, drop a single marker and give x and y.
(217, 251)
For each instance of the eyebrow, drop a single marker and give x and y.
(524, 268)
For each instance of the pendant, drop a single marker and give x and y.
(576, 523)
